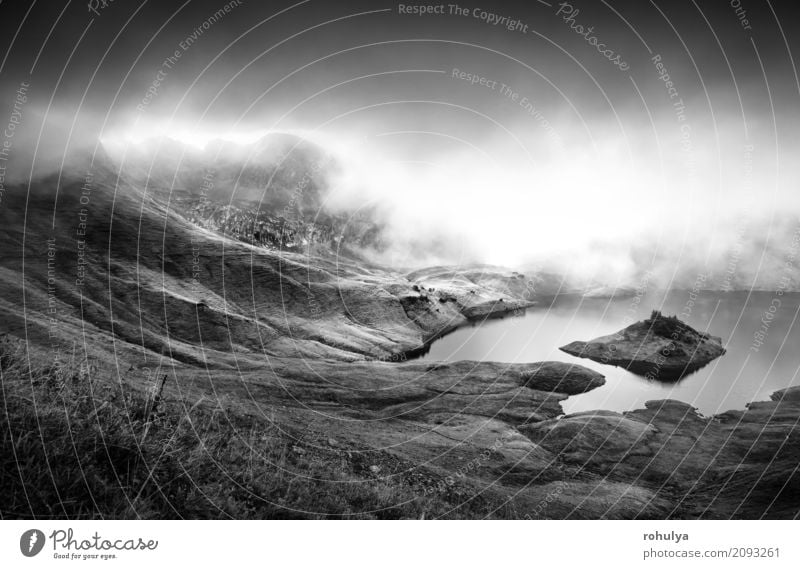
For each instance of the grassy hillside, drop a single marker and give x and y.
(74, 445)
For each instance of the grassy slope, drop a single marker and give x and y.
(73, 446)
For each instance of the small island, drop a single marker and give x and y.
(660, 348)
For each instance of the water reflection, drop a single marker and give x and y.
(750, 370)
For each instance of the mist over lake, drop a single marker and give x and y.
(748, 372)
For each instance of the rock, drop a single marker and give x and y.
(375, 469)
(737, 464)
(494, 308)
(421, 391)
(591, 437)
(671, 406)
(332, 442)
(660, 348)
(788, 394)
(571, 379)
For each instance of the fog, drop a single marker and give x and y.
(602, 211)
(598, 203)
(470, 142)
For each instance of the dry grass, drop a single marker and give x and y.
(75, 446)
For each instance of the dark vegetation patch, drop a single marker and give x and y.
(671, 327)
(75, 444)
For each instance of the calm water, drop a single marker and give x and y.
(740, 376)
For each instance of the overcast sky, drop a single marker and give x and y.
(588, 124)
(251, 66)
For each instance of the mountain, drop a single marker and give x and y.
(96, 248)
(271, 193)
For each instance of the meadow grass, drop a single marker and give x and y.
(75, 445)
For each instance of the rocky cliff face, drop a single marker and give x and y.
(269, 229)
(660, 348)
(270, 194)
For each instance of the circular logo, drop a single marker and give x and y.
(31, 542)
